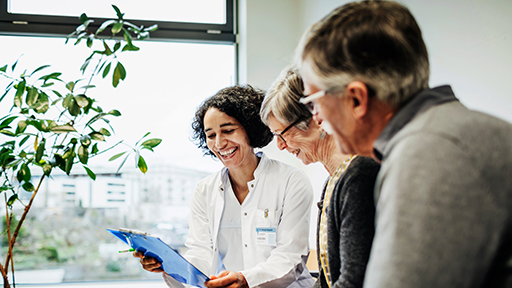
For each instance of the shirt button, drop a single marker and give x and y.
(252, 185)
(245, 245)
(245, 213)
(221, 189)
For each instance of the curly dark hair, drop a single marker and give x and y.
(240, 102)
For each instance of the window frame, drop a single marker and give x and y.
(46, 25)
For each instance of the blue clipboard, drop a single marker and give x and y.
(172, 263)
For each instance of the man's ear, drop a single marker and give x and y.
(358, 93)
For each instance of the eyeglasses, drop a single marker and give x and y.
(280, 135)
(308, 100)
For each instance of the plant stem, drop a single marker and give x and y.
(4, 271)
(25, 212)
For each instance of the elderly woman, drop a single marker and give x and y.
(345, 223)
(230, 208)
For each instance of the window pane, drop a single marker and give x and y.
(165, 83)
(199, 11)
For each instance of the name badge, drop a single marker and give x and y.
(266, 236)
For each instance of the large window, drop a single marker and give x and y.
(195, 20)
(65, 237)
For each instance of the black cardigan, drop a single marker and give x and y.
(350, 224)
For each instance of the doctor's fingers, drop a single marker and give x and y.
(138, 254)
(151, 264)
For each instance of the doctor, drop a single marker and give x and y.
(249, 222)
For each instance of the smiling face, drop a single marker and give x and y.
(303, 144)
(227, 139)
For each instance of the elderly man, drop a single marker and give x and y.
(444, 192)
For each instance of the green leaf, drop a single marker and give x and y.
(22, 125)
(117, 27)
(117, 46)
(70, 86)
(83, 18)
(19, 92)
(12, 199)
(47, 169)
(40, 150)
(90, 173)
(114, 112)
(95, 149)
(83, 154)
(24, 173)
(104, 132)
(28, 187)
(14, 65)
(39, 69)
(5, 188)
(104, 25)
(128, 47)
(67, 100)
(142, 165)
(42, 104)
(57, 93)
(118, 12)
(127, 37)
(24, 140)
(85, 140)
(151, 28)
(119, 74)
(152, 143)
(4, 68)
(97, 136)
(122, 163)
(89, 44)
(7, 121)
(69, 162)
(63, 129)
(7, 132)
(32, 96)
(74, 110)
(116, 156)
(82, 100)
(47, 84)
(54, 75)
(95, 118)
(107, 69)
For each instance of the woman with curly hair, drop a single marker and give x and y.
(249, 222)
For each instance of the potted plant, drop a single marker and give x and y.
(55, 124)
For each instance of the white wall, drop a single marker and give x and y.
(469, 42)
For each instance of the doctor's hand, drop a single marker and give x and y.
(226, 279)
(148, 263)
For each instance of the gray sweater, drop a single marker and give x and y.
(350, 225)
(444, 210)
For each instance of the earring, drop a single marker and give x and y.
(322, 135)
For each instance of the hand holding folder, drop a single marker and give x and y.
(172, 263)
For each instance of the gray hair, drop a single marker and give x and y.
(376, 42)
(282, 100)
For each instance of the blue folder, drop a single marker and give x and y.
(172, 263)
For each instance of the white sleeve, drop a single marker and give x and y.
(199, 240)
(286, 261)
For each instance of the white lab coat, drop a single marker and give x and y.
(280, 196)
